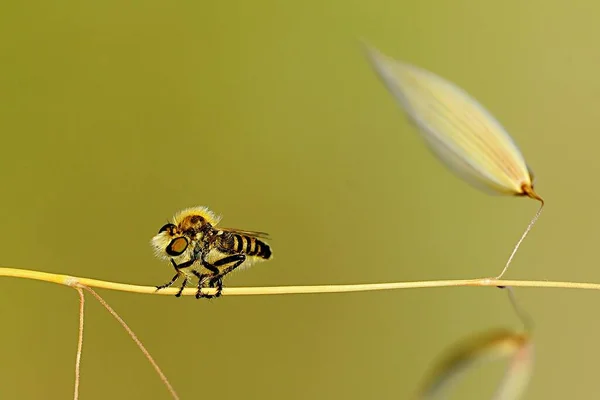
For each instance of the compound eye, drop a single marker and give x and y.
(177, 246)
(166, 227)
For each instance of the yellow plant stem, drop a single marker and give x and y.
(239, 291)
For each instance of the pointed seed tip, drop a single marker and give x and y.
(529, 192)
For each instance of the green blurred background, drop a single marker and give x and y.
(115, 115)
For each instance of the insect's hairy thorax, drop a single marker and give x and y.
(224, 241)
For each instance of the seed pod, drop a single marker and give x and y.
(493, 345)
(458, 130)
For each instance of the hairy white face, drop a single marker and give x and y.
(171, 244)
(179, 240)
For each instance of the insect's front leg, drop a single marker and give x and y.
(177, 267)
(166, 285)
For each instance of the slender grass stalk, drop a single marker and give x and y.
(241, 291)
(79, 342)
(133, 336)
(80, 284)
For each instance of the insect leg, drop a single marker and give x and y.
(166, 285)
(186, 264)
(201, 280)
(201, 277)
(211, 267)
(236, 258)
(177, 268)
(183, 284)
(217, 281)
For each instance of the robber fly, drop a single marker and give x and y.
(197, 248)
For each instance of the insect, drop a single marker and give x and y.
(197, 248)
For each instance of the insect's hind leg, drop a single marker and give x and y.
(216, 280)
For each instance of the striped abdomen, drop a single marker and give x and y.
(237, 243)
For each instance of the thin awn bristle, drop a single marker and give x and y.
(523, 236)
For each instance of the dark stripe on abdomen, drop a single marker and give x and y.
(238, 243)
(261, 249)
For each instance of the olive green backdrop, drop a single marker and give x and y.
(114, 115)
